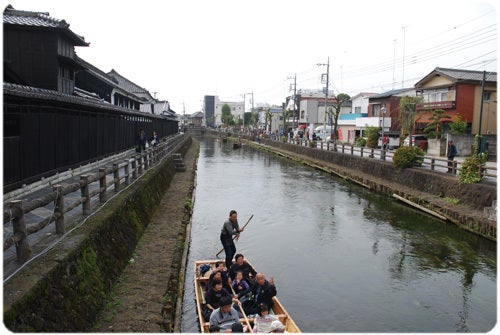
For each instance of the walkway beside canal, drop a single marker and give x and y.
(142, 301)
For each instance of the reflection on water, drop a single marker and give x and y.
(344, 259)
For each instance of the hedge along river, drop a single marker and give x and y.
(343, 258)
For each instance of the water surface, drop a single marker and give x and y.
(344, 259)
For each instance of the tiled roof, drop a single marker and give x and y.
(457, 75)
(96, 72)
(12, 16)
(128, 86)
(466, 74)
(391, 93)
(46, 94)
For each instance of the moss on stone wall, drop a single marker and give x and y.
(87, 263)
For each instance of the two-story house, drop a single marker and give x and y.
(472, 95)
(39, 51)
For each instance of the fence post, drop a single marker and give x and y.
(85, 194)
(127, 176)
(103, 188)
(23, 250)
(116, 176)
(134, 167)
(139, 165)
(362, 151)
(352, 149)
(454, 169)
(59, 208)
(433, 162)
(343, 148)
(146, 160)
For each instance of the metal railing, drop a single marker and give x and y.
(442, 165)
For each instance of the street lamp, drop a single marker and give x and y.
(382, 154)
(326, 91)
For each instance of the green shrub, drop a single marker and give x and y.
(371, 136)
(284, 139)
(313, 144)
(470, 170)
(406, 157)
(360, 142)
(458, 126)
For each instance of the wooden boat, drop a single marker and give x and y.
(200, 281)
(236, 145)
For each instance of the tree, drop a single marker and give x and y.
(226, 117)
(340, 99)
(249, 118)
(371, 134)
(435, 127)
(286, 114)
(267, 118)
(458, 126)
(407, 113)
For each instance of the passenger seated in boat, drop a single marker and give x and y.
(263, 322)
(213, 297)
(214, 329)
(220, 272)
(277, 327)
(224, 316)
(243, 266)
(263, 291)
(240, 286)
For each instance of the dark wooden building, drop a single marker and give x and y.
(50, 122)
(39, 51)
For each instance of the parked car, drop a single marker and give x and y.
(416, 140)
(324, 133)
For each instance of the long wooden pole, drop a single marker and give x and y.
(422, 208)
(217, 255)
(242, 311)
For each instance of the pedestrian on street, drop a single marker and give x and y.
(451, 153)
(141, 141)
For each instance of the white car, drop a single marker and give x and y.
(416, 140)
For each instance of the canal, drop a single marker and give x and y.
(343, 258)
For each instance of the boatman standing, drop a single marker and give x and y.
(230, 228)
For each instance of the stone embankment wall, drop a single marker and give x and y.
(65, 289)
(428, 189)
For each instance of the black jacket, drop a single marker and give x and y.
(263, 294)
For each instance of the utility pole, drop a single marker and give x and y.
(479, 139)
(252, 105)
(394, 66)
(295, 107)
(404, 47)
(326, 91)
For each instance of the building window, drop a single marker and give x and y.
(439, 96)
(376, 110)
(357, 110)
(487, 96)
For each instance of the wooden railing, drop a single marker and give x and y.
(119, 173)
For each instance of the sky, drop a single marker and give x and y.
(181, 51)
